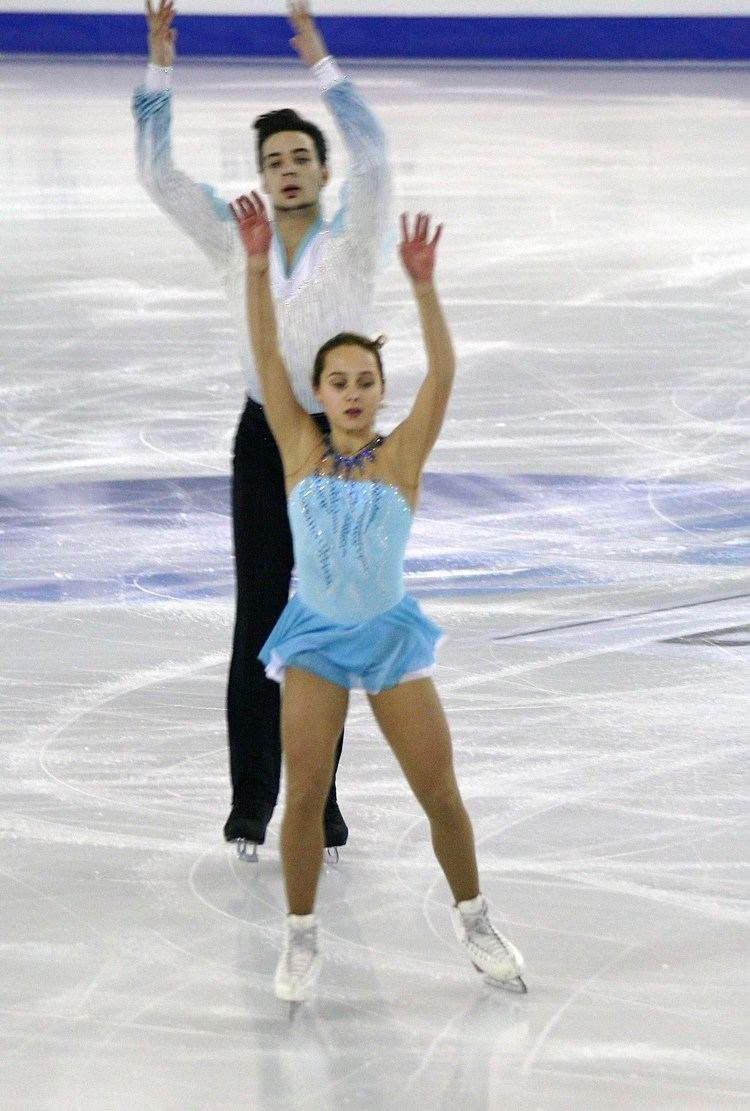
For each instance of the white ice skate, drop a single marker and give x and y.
(300, 963)
(490, 952)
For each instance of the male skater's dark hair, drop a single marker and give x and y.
(347, 339)
(286, 119)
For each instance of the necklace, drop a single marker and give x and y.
(343, 465)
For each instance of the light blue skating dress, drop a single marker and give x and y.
(350, 620)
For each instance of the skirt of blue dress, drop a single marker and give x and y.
(391, 648)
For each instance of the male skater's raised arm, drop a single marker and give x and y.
(364, 219)
(195, 208)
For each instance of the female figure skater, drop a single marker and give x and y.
(351, 498)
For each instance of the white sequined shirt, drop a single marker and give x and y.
(329, 287)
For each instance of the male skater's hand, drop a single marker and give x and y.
(307, 40)
(161, 33)
(255, 230)
(417, 250)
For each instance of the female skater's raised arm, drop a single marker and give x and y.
(293, 429)
(415, 436)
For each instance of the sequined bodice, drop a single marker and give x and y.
(349, 542)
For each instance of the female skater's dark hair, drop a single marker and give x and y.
(347, 339)
(286, 119)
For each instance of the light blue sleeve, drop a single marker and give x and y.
(195, 208)
(365, 213)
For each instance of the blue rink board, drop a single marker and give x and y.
(536, 38)
(169, 538)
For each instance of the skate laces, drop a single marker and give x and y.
(302, 948)
(480, 930)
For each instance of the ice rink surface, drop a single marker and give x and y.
(584, 539)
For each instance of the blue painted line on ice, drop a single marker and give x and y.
(169, 538)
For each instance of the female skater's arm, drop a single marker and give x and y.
(293, 429)
(415, 436)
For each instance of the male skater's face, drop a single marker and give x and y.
(291, 173)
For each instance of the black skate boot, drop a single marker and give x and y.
(247, 829)
(336, 829)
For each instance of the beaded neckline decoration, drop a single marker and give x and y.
(342, 466)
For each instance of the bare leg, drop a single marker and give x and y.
(414, 725)
(312, 718)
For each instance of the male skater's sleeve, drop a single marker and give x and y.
(195, 208)
(365, 215)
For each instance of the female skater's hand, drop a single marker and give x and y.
(417, 250)
(307, 40)
(255, 229)
(161, 33)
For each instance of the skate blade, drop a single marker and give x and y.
(296, 999)
(333, 855)
(247, 851)
(515, 985)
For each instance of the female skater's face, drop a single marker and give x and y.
(291, 173)
(350, 389)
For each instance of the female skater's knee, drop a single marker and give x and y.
(441, 798)
(306, 794)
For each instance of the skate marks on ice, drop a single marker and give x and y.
(597, 286)
(371, 1028)
(530, 728)
(631, 797)
(608, 822)
(598, 292)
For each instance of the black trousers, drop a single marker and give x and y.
(263, 566)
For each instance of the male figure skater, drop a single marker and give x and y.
(322, 277)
